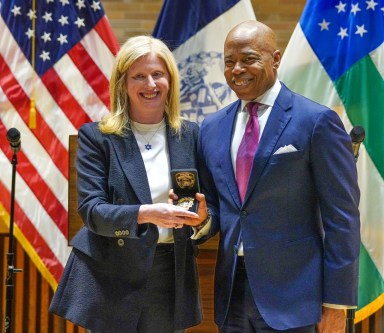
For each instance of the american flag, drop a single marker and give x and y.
(59, 55)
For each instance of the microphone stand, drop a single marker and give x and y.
(10, 255)
(350, 328)
(358, 135)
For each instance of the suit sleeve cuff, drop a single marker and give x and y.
(339, 306)
(202, 229)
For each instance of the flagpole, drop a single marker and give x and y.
(357, 135)
(32, 110)
(13, 136)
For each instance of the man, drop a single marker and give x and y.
(289, 232)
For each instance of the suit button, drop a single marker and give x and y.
(120, 242)
(121, 233)
(243, 214)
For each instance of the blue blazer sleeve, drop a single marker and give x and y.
(335, 178)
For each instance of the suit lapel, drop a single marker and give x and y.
(226, 130)
(132, 164)
(277, 120)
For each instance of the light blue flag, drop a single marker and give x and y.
(195, 31)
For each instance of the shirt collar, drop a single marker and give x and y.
(268, 98)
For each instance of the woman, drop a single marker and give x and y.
(132, 267)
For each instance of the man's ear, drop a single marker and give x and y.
(276, 59)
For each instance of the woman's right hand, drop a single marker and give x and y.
(165, 215)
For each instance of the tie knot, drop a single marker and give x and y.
(252, 108)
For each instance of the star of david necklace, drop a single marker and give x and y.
(147, 142)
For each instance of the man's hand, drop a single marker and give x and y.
(332, 321)
(202, 211)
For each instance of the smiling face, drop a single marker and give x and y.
(251, 59)
(148, 84)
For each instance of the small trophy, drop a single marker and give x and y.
(185, 184)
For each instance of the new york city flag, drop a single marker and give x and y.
(336, 57)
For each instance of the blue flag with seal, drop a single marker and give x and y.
(336, 57)
(195, 31)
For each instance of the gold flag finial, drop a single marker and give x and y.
(32, 114)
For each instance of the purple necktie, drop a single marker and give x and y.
(247, 149)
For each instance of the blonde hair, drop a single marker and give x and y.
(118, 119)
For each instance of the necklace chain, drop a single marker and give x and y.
(148, 146)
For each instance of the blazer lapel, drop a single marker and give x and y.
(277, 120)
(175, 148)
(226, 130)
(129, 156)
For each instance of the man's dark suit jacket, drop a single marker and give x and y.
(104, 280)
(299, 221)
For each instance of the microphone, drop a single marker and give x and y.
(13, 136)
(357, 135)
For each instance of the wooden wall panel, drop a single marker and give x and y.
(31, 285)
(19, 281)
(74, 220)
(32, 296)
(206, 266)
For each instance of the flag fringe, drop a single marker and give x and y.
(369, 309)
